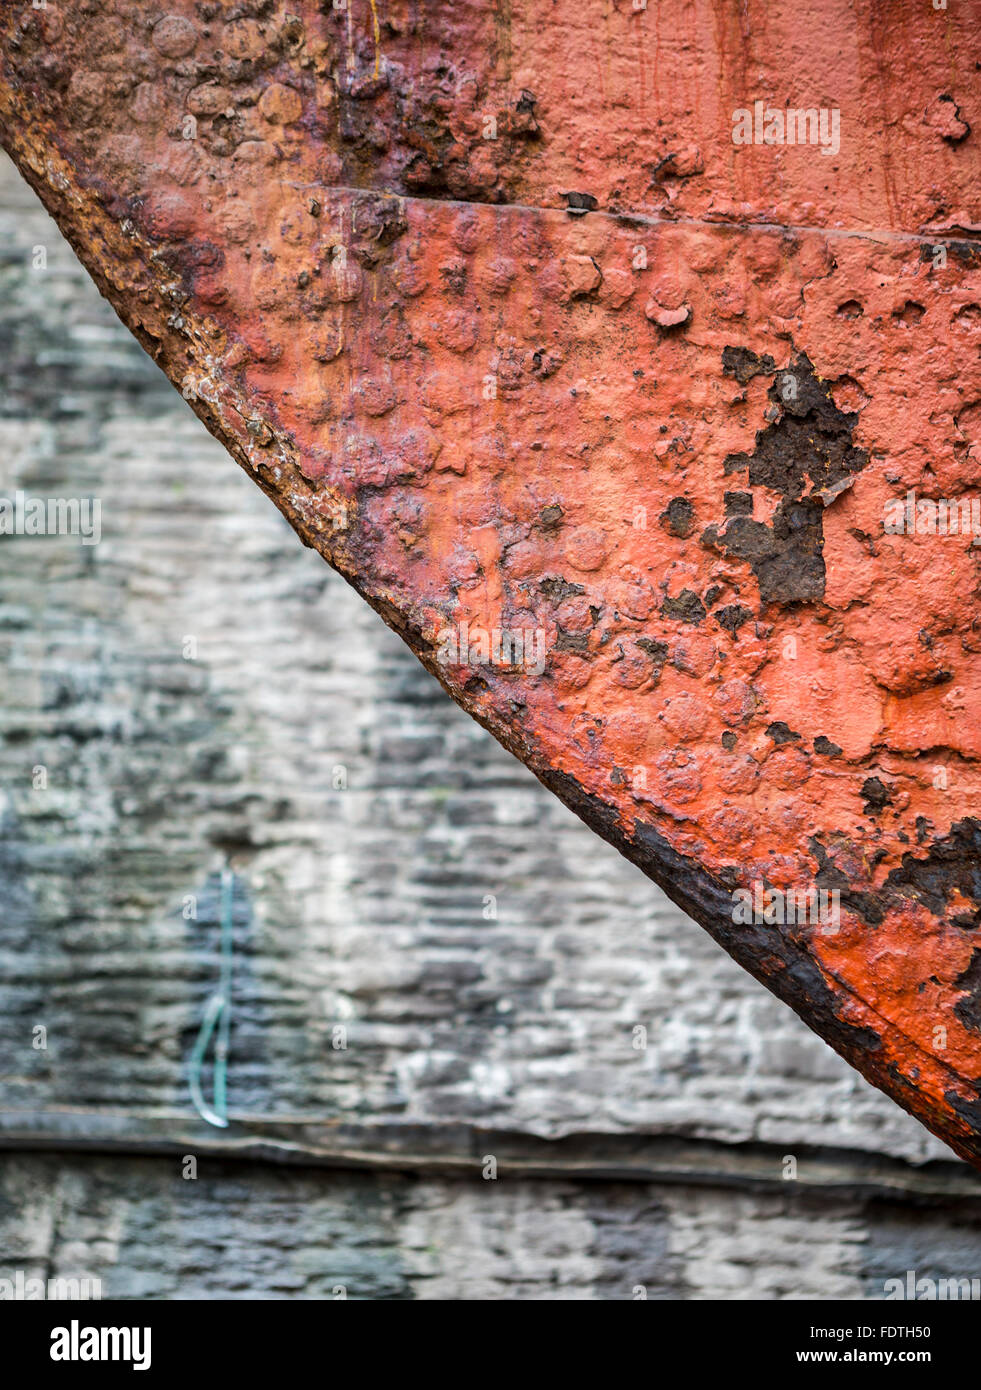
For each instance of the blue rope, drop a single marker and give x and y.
(217, 1012)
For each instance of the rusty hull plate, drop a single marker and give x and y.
(487, 299)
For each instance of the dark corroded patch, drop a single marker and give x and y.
(806, 455)
(952, 866)
(732, 617)
(781, 733)
(786, 557)
(686, 607)
(742, 364)
(865, 905)
(678, 518)
(812, 438)
(968, 1009)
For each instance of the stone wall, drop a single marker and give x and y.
(241, 1229)
(197, 690)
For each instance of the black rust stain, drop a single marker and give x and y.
(953, 864)
(806, 456)
(678, 518)
(742, 364)
(968, 1009)
(686, 608)
(876, 795)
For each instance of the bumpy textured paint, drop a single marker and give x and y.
(490, 303)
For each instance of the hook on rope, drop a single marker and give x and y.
(217, 1015)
